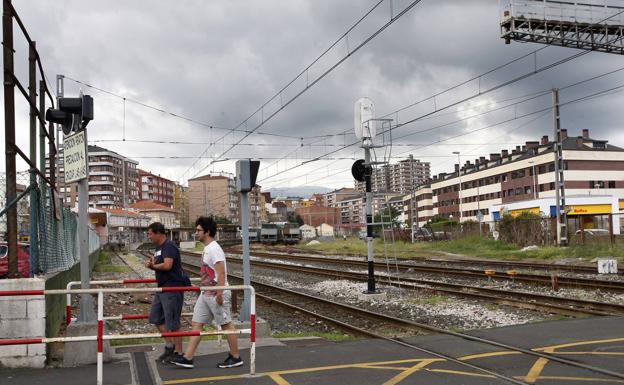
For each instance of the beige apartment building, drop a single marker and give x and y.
(592, 168)
(213, 195)
(181, 205)
(216, 195)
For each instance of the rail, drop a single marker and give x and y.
(100, 337)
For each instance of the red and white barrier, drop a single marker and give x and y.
(71, 284)
(100, 337)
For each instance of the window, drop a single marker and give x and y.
(528, 190)
(611, 184)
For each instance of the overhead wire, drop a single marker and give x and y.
(543, 110)
(308, 86)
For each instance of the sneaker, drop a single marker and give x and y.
(180, 360)
(230, 362)
(167, 354)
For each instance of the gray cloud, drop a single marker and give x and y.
(216, 62)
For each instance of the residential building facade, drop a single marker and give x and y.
(155, 188)
(181, 205)
(213, 195)
(113, 180)
(399, 177)
(591, 167)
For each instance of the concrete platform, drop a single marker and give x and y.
(593, 341)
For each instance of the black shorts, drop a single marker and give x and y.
(167, 309)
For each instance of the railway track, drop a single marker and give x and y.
(484, 263)
(395, 329)
(524, 300)
(534, 279)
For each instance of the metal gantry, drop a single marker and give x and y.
(595, 25)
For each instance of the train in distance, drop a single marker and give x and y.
(279, 232)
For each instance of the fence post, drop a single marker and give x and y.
(9, 134)
(611, 232)
(34, 204)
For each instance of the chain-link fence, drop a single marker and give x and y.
(56, 245)
(602, 229)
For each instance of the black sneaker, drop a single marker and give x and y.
(167, 354)
(180, 360)
(230, 362)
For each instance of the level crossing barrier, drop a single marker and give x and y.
(71, 284)
(100, 337)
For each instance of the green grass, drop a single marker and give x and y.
(105, 264)
(328, 336)
(468, 246)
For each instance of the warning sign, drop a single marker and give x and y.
(75, 159)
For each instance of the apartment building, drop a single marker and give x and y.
(113, 179)
(398, 177)
(213, 195)
(155, 188)
(527, 173)
(181, 205)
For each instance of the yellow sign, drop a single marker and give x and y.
(531, 210)
(589, 209)
(622, 205)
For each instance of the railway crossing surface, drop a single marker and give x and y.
(594, 342)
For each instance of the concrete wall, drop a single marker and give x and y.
(33, 316)
(55, 304)
(22, 317)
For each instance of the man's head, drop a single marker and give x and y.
(205, 227)
(156, 233)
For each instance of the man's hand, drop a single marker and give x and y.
(219, 299)
(150, 263)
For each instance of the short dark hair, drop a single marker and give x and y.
(157, 228)
(208, 225)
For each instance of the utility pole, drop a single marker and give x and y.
(562, 216)
(414, 216)
(460, 185)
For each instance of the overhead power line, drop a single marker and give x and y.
(309, 84)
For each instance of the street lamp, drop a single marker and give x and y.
(460, 185)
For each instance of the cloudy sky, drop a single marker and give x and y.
(211, 66)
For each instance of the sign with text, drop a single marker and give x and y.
(607, 266)
(75, 157)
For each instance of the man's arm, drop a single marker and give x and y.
(166, 265)
(220, 272)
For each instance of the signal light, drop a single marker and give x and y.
(73, 114)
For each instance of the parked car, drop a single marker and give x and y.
(422, 234)
(594, 232)
(23, 259)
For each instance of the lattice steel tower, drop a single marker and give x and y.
(595, 25)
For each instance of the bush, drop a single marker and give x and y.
(523, 230)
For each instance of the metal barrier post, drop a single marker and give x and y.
(100, 357)
(100, 337)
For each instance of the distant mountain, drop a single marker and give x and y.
(303, 191)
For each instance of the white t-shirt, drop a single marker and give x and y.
(212, 254)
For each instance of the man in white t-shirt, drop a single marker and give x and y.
(211, 304)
